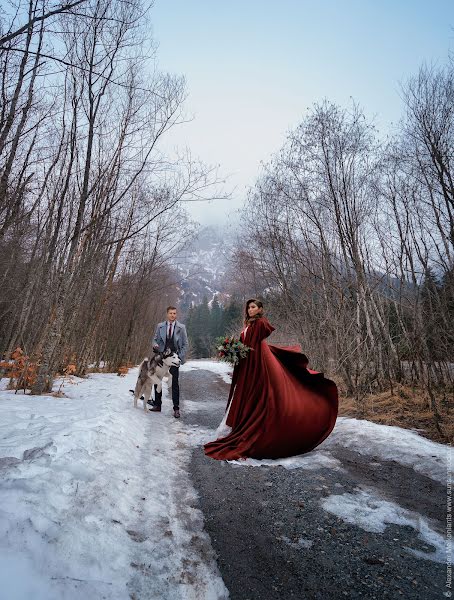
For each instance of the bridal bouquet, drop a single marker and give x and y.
(231, 350)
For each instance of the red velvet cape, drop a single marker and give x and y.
(278, 407)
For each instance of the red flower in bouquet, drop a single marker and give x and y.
(231, 350)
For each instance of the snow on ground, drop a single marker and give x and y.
(365, 508)
(384, 442)
(312, 461)
(387, 442)
(95, 499)
(220, 368)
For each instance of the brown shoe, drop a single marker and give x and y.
(176, 413)
(155, 409)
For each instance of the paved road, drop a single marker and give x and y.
(274, 540)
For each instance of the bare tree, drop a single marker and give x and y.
(350, 243)
(92, 204)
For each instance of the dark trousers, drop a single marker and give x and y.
(174, 371)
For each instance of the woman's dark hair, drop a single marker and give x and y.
(247, 318)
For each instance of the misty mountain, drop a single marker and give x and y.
(203, 267)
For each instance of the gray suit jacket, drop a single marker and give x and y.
(180, 337)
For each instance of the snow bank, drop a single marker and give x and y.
(95, 499)
(383, 442)
(365, 508)
(386, 442)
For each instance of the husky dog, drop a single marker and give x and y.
(152, 372)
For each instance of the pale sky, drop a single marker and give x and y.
(254, 68)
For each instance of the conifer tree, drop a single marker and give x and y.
(430, 294)
(216, 320)
(233, 317)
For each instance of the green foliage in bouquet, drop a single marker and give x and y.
(231, 349)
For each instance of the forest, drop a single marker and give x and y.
(347, 235)
(90, 204)
(206, 322)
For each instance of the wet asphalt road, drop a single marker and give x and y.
(273, 539)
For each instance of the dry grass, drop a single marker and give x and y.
(58, 394)
(408, 408)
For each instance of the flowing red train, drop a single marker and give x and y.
(277, 407)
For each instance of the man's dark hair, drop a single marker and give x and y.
(171, 308)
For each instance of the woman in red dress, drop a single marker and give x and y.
(277, 407)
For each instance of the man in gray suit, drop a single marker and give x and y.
(170, 334)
